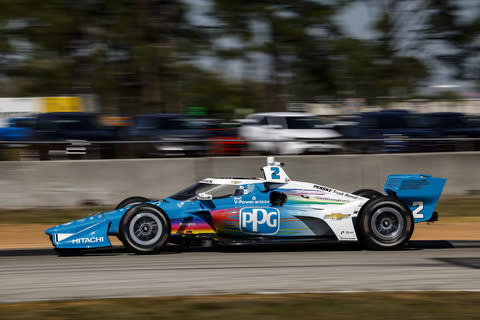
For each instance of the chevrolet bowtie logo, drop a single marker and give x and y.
(336, 216)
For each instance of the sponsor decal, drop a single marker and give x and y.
(336, 216)
(347, 235)
(188, 224)
(320, 198)
(322, 188)
(260, 220)
(87, 240)
(239, 200)
(351, 196)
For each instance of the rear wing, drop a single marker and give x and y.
(420, 192)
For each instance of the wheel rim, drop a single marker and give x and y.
(387, 223)
(145, 228)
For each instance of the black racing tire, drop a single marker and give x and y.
(145, 229)
(368, 193)
(131, 200)
(128, 202)
(384, 223)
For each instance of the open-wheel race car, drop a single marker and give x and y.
(275, 209)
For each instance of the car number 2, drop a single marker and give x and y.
(417, 212)
(275, 173)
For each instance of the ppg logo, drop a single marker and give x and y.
(260, 220)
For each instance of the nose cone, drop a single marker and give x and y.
(74, 226)
(51, 231)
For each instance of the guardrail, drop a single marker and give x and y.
(83, 149)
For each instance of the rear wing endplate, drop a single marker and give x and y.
(420, 192)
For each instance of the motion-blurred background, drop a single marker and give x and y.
(143, 78)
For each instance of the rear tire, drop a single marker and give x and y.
(145, 228)
(368, 193)
(384, 223)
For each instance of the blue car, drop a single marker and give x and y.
(18, 129)
(450, 128)
(273, 209)
(167, 134)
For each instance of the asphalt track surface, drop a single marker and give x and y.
(29, 275)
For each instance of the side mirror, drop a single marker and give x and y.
(204, 196)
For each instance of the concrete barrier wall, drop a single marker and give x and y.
(106, 182)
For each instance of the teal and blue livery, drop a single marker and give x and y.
(268, 210)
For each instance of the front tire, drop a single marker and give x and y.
(145, 228)
(384, 223)
(131, 200)
(128, 202)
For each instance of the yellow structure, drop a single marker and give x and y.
(62, 104)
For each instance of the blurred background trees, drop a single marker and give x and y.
(145, 55)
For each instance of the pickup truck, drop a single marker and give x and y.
(79, 131)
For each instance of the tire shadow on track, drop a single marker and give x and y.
(119, 250)
(411, 245)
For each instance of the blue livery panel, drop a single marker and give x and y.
(93, 236)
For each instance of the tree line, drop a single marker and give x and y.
(146, 55)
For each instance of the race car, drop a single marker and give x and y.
(269, 210)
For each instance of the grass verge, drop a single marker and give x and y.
(459, 207)
(448, 208)
(47, 215)
(371, 306)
